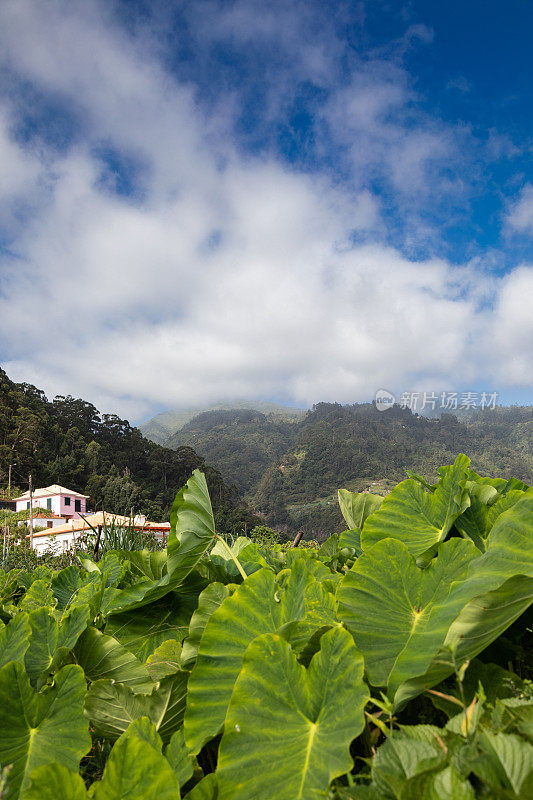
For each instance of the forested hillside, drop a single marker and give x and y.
(68, 441)
(289, 471)
(281, 466)
(161, 427)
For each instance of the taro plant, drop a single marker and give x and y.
(373, 666)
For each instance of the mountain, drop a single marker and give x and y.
(68, 441)
(161, 427)
(290, 471)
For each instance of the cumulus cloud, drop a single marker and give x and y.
(218, 274)
(512, 328)
(520, 216)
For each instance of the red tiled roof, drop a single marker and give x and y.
(42, 512)
(83, 524)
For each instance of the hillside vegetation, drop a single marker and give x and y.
(281, 466)
(161, 427)
(391, 663)
(68, 441)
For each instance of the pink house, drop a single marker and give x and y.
(62, 502)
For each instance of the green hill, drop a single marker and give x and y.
(161, 427)
(68, 441)
(287, 464)
(284, 467)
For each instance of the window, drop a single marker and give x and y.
(49, 504)
(49, 523)
(67, 501)
(77, 505)
(28, 504)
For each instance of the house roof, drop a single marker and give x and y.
(48, 491)
(41, 513)
(103, 518)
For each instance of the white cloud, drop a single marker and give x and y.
(377, 120)
(233, 276)
(512, 328)
(520, 216)
(22, 176)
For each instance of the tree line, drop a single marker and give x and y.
(68, 441)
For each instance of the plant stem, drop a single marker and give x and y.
(233, 557)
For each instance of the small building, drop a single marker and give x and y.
(62, 502)
(70, 535)
(42, 518)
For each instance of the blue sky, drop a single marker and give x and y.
(296, 200)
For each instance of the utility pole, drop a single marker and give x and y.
(5, 544)
(9, 483)
(31, 515)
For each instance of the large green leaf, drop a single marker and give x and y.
(43, 643)
(477, 521)
(412, 625)
(497, 590)
(206, 789)
(41, 727)
(72, 587)
(143, 629)
(66, 584)
(329, 549)
(263, 603)
(50, 642)
(210, 599)
(179, 757)
(514, 483)
(54, 781)
(191, 534)
(92, 593)
(148, 563)
(192, 526)
(8, 585)
(398, 613)
(40, 573)
(300, 723)
(112, 567)
(136, 769)
(102, 656)
(509, 550)
(499, 484)
(356, 507)
(111, 707)
(418, 518)
(15, 639)
(479, 623)
(352, 540)
(38, 595)
(222, 564)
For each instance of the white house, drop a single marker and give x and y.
(68, 536)
(42, 518)
(65, 503)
